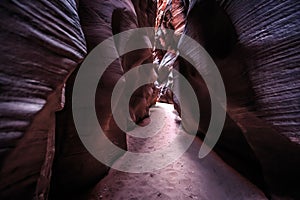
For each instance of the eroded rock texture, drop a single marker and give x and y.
(41, 44)
(270, 32)
(75, 169)
(145, 11)
(171, 17)
(254, 45)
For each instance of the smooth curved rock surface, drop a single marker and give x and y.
(255, 53)
(42, 43)
(269, 30)
(99, 21)
(186, 178)
(254, 43)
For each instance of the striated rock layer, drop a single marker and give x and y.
(41, 44)
(254, 45)
(269, 30)
(269, 33)
(99, 21)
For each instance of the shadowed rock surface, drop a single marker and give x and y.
(99, 21)
(255, 53)
(186, 178)
(255, 45)
(41, 44)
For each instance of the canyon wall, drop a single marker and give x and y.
(254, 45)
(42, 43)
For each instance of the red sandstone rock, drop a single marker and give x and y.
(255, 87)
(41, 44)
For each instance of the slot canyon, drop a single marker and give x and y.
(254, 45)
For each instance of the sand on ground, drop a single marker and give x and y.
(188, 177)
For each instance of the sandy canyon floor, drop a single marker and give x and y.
(188, 177)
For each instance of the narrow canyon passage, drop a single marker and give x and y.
(186, 178)
(62, 60)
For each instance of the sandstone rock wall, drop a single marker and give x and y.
(254, 45)
(269, 31)
(41, 44)
(75, 168)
